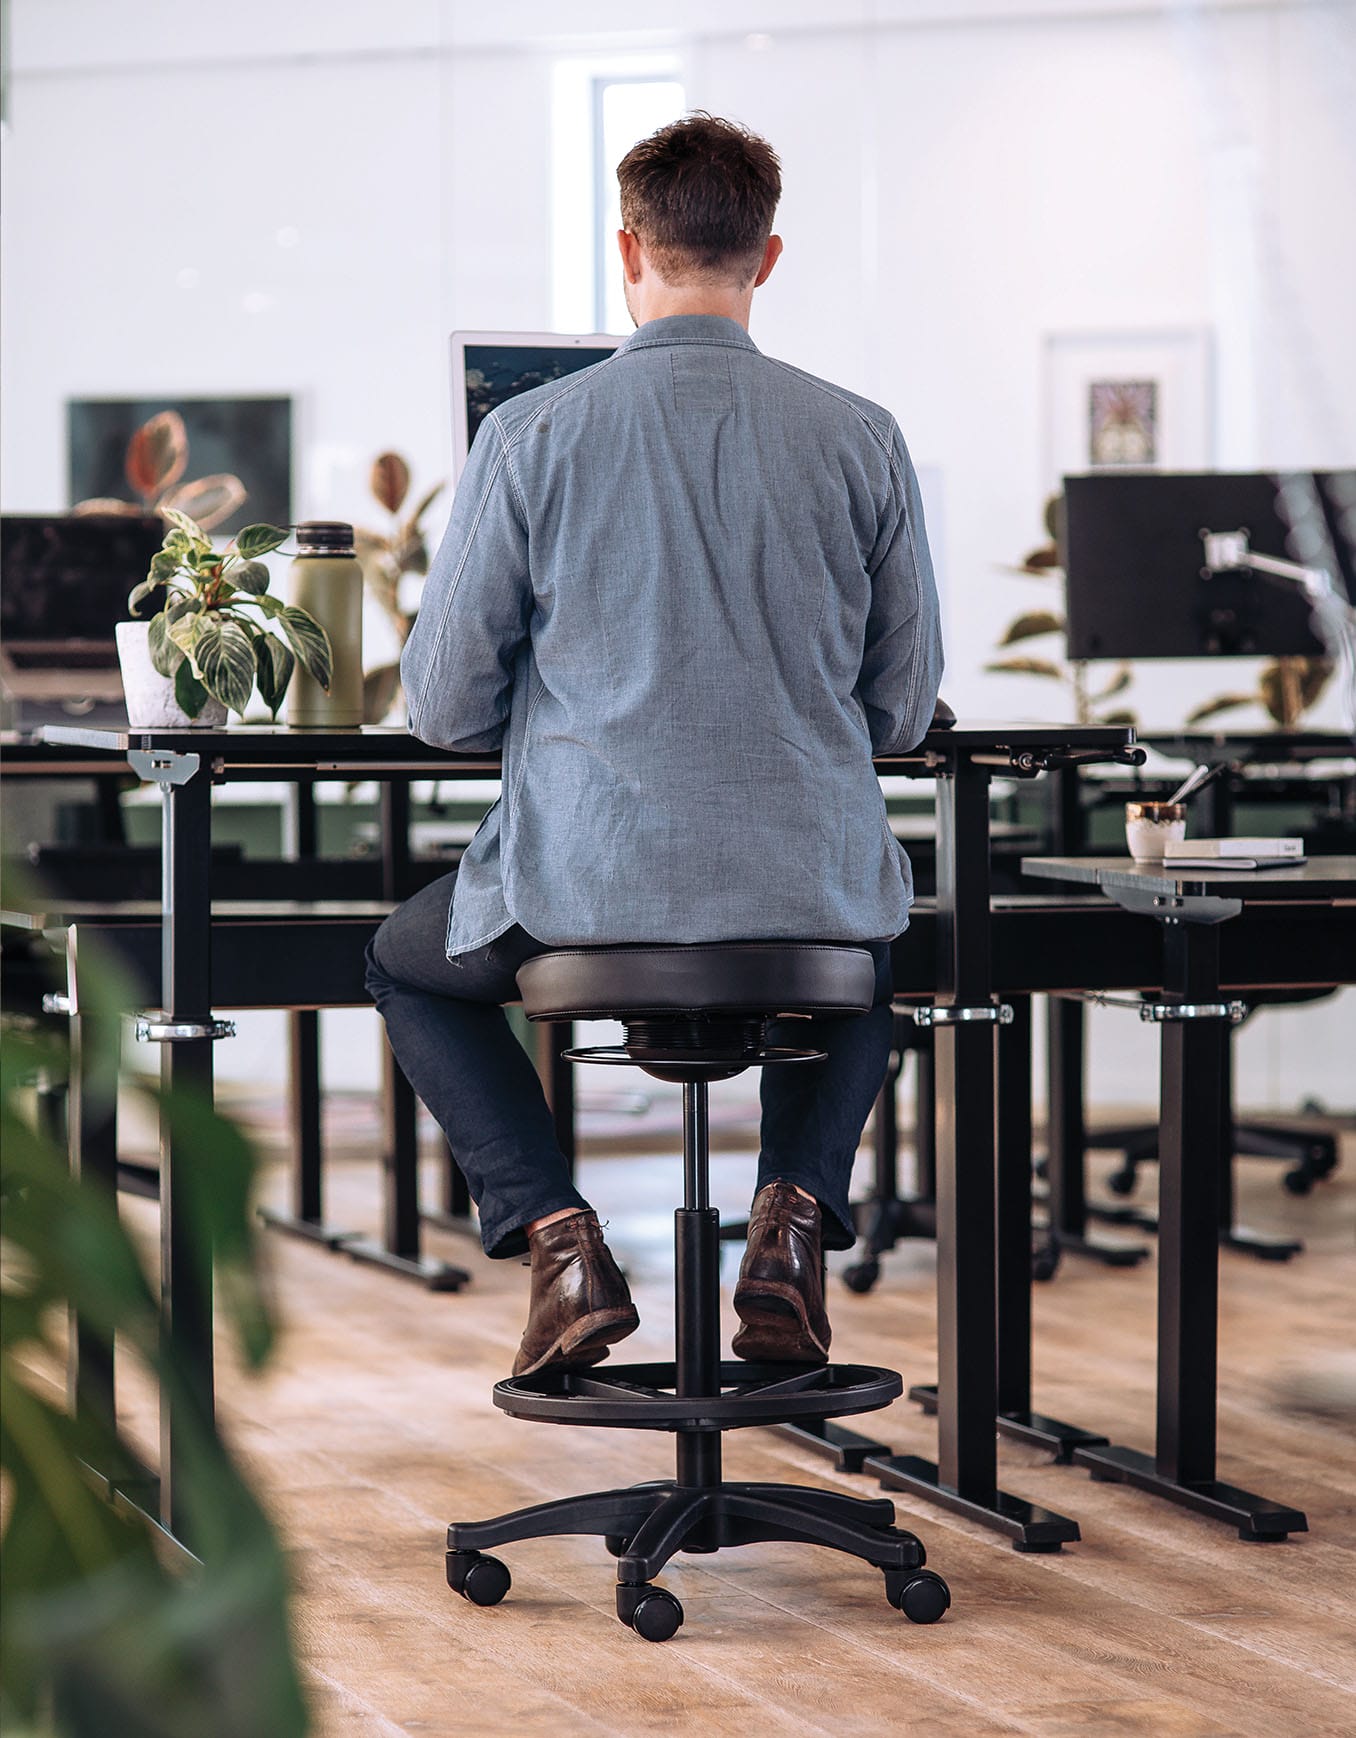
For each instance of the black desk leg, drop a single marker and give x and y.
(399, 1248)
(185, 1067)
(92, 1134)
(1231, 1234)
(1066, 1161)
(965, 1476)
(1191, 1157)
(1015, 1417)
(306, 1218)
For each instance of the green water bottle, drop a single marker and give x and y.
(327, 580)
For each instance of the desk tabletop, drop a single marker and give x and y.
(283, 745)
(1325, 878)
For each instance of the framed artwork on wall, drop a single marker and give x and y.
(1129, 401)
(251, 438)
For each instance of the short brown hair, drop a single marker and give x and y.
(700, 195)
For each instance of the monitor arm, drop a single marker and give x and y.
(1334, 619)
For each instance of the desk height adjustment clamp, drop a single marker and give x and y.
(152, 1030)
(940, 1014)
(1164, 1013)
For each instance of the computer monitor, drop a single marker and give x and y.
(1136, 584)
(489, 368)
(64, 582)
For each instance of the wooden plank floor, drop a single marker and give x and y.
(374, 1428)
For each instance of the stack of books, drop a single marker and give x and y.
(1233, 853)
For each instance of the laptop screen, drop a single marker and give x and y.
(64, 580)
(489, 368)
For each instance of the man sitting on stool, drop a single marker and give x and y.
(688, 592)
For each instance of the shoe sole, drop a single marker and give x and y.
(586, 1341)
(776, 1330)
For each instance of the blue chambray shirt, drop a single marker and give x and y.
(688, 592)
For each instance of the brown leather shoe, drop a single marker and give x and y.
(780, 1295)
(580, 1302)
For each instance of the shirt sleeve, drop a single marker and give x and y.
(902, 657)
(458, 663)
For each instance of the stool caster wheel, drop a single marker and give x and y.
(923, 1598)
(862, 1275)
(651, 1611)
(483, 1580)
(1299, 1181)
(616, 1544)
(1123, 1182)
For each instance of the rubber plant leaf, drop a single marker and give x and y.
(390, 480)
(157, 455)
(209, 500)
(1031, 626)
(1027, 667)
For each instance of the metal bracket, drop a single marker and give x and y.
(988, 1013)
(58, 1002)
(150, 1030)
(163, 766)
(1161, 1013)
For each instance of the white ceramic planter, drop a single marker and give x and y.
(149, 696)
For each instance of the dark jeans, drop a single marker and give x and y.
(446, 1023)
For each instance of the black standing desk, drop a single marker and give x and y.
(963, 760)
(1189, 906)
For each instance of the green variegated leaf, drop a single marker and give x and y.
(257, 540)
(251, 576)
(310, 642)
(273, 667)
(188, 690)
(148, 589)
(181, 522)
(271, 606)
(182, 606)
(164, 566)
(186, 630)
(165, 655)
(225, 660)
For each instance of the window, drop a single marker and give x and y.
(600, 109)
(624, 110)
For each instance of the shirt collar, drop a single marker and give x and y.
(690, 329)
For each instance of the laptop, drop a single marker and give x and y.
(64, 581)
(489, 368)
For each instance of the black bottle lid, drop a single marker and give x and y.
(324, 537)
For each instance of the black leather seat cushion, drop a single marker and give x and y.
(743, 977)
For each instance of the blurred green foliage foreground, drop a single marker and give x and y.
(103, 1630)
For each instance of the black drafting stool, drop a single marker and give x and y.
(696, 1014)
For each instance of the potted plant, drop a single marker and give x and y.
(202, 651)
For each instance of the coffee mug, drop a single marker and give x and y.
(1149, 826)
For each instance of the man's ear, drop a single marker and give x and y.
(771, 254)
(632, 259)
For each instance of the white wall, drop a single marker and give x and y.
(962, 179)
